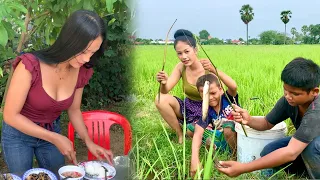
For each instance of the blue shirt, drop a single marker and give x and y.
(225, 111)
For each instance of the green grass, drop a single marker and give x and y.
(256, 69)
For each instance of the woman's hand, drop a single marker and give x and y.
(100, 152)
(206, 64)
(65, 146)
(162, 77)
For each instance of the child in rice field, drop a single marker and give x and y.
(219, 119)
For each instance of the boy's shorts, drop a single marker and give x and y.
(219, 139)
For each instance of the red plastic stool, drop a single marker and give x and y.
(98, 123)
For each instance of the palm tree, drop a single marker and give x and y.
(247, 14)
(285, 17)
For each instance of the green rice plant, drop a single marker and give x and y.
(184, 136)
(173, 151)
(161, 159)
(275, 174)
(208, 166)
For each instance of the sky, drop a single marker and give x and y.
(221, 19)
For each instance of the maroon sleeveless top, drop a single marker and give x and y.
(39, 107)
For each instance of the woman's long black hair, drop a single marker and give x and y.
(80, 28)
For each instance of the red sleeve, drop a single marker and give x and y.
(31, 64)
(84, 77)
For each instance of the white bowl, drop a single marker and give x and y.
(71, 168)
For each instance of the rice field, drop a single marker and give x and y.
(256, 69)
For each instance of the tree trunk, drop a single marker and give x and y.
(247, 33)
(285, 33)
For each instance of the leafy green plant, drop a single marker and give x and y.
(10, 13)
(30, 25)
(111, 80)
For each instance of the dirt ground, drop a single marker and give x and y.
(116, 143)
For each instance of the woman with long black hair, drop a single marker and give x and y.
(45, 83)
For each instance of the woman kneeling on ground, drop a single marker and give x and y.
(189, 69)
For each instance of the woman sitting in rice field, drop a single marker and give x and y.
(189, 69)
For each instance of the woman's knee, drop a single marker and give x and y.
(163, 99)
(166, 100)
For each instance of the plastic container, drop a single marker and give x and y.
(249, 148)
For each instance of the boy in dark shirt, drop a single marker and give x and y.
(300, 103)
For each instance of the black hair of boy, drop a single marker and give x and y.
(301, 73)
(207, 77)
